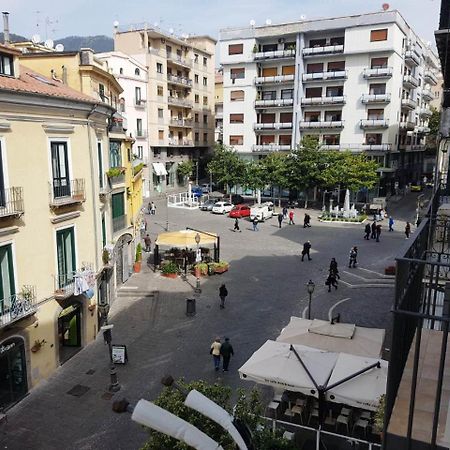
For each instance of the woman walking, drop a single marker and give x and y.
(407, 230)
(215, 352)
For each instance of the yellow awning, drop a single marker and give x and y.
(185, 239)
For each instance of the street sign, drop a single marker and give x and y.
(119, 354)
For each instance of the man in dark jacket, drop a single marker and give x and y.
(374, 230)
(367, 230)
(280, 219)
(306, 250)
(226, 350)
(223, 292)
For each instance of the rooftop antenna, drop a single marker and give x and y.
(35, 39)
(49, 43)
(252, 23)
(116, 26)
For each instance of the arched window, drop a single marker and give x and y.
(121, 71)
(137, 72)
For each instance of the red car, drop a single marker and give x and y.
(240, 211)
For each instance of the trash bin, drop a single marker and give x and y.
(190, 306)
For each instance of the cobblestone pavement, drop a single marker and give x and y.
(266, 284)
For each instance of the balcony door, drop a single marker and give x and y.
(60, 169)
(65, 249)
(7, 283)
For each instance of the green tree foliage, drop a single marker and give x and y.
(254, 175)
(185, 169)
(434, 122)
(226, 166)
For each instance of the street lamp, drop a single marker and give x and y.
(198, 259)
(310, 287)
(107, 336)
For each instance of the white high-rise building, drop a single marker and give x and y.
(361, 83)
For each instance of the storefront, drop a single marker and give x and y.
(69, 331)
(13, 371)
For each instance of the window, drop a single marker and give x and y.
(205, 61)
(236, 140)
(335, 91)
(314, 68)
(237, 96)
(336, 65)
(156, 152)
(196, 79)
(236, 49)
(378, 35)
(236, 118)
(269, 72)
(205, 81)
(196, 58)
(197, 138)
(122, 105)
(267, 139)
(205, 101)
(103, 230)
(313, 92)
(375, 114)
(100, 165)
(121, 71)
(115, 157)
(285, 139)
(118, 211)
(237, 73)
(137, 72)
(196, 118)
(331, 139)
(197, 98)
(286, 117)
(159, 91)
(287, 93)
(267, 118)
(161, 135)
(377, 63)
(159, 68)
(6, 65)
(140, 152)
(65, 253)
(139, 131)
(270, 47)
(205, 138)
(138, 95)
(317, 42)
(374, 138)
(377, 89)
(101, 92)
(269, 95)
(333, 116)
(312, 116)
(160, 113)
(288, 70)
(60, 169)
(205, 119)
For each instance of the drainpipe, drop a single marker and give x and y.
(6, 38)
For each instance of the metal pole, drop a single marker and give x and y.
(197, 290)
(309, 306)
(167, 212)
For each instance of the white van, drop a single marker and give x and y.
(262, 212)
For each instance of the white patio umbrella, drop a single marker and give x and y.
(347, 201)
(275, 364)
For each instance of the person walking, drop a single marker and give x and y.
(148, 243)
(223, 292)
(285, 212)
(307, 221)
(391, 223)
(334, 268)
(367, 230)
(331, 281)
(236, 225)
(280, 220)
(226, 351)
(215, 352)
(291, 218)
(353, 256)
(306, 250)
(378, 232)
(255, 223)
(152, 209)
(374, 230)
(407, 230)
(143, 228)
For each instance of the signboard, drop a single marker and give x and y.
(119, 354)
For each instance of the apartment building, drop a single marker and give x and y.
(133, 78)
(180, 99)
(52, 276)
(218, 106)
(359, 82)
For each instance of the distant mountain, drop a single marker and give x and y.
(14, 37)
(97, 43)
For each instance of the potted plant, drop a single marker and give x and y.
(38, 344)
(255, 48)
(221, 267)
(105, 257)
(169, 270)
(202, 268)
(379, 416)
(138, 260)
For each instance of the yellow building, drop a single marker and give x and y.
(52, 223)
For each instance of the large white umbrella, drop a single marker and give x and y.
(364, 390)
(276, 364)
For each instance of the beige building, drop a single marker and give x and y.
(51, 223)
(180, 99)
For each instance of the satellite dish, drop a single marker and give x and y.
(385, 6)
(302, 17)
(171, 30)
(49, 43)
(35, 39)
(116, 23)
(252, 23)
(268, 22)
(59, 48)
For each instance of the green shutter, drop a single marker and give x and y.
(7, 284)
(118, 207)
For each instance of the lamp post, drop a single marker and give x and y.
(198, 259)
(107, 336)
(310, 287)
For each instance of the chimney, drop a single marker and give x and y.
(6, 39)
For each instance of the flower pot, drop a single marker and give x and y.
(35, 348)
(169, 275)
(221, 269)
(137, 266)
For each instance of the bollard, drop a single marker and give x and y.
(190, 306)
(114, 386)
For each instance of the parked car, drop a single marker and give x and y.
(207, 205)
(262, 212)
(207, 188)
(222, 208)
(240, 211)
(197, 191)
(416, 187)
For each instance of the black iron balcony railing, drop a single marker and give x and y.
(11, 202)
(65, 192)
(65, 282)
(18, 306)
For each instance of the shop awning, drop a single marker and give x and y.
(159, 169)
(185, 239)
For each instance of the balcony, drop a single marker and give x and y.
(325, 76)
(275, 103)
(408, 103)
(423, 129)
(325, 50)
(118, 123)
(116, 175)
(140, 134)
(312, 101)
(274, 80)
(376, 98)
(427, 95)
(376, 147)
(140, 103)
(330, 146)
(182, 123)
(18, 306)
(180, 142)
(178, 60)
(322, 124)
(64, 192)
(430, 78)
(407, 125)
(11, 202)
(373, 123)
(410, 82)
(268, 148)
(412, 147)
(179, 81)
(276, 54)
(119, 223)
(65, 283)
(377, 72)
(425, 112)
(179, 102)
(272, 126)
(412, 58)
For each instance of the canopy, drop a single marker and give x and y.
(185, 239)
(363, 391)
(339, 337)
(275, 364)
(159, 169)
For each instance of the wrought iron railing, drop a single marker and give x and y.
(65, 282)
(18, 306)
(11, 202)
(64, 192)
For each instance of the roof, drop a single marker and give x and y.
(9, 49)
(31, 82)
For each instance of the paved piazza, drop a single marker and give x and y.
(266, 285)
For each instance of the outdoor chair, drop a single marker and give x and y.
(272, 410)
(314, 415)
(298, 410)
(343, 421)
(363, 424)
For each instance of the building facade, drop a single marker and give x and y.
(51, 267)
(360, 83)
(180, 99)
(218, 107)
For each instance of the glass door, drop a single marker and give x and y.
(7, 283)
(60, 168)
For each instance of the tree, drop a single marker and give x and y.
(254, 176)
(275, 171)
(185, 169)
(435, 122)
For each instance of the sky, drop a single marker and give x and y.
(91, 17)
